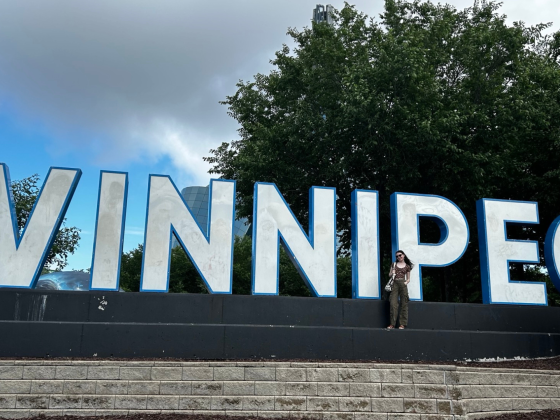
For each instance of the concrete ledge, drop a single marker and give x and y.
(323, 391)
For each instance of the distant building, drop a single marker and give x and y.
(197, 199)
(323, 14)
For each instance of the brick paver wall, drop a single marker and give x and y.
(345, 391)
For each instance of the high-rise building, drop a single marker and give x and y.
(197, 199)
(323, 14)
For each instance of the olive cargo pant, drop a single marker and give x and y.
(399, 290)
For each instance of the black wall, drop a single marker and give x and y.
(83, 324)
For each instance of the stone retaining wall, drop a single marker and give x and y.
(345, 391)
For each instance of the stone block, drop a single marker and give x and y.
(136, 373)
(435, 417)
(290, 403)
(322, 375)
(543, 380)
(15, 387)
(7, 401)
(385, 375)
(354, 404)
(420, 406)
(311, 415)
(14, 414)
(301, 388)
(370, 416)
(207, 388)
(258, 403)
(101, 402)
(39, 372)
(430, 391)
(396, 416)
(241, 413)
(227, 403)
(540, 403)
(353, 375)
(459, 408)
(406, 375)
(275, 414)
(270, 388)
(162, 403)
(103, 372)
(428, 377)
(443, 407)
(338, 416)
(496, 404)
(71, 372)
(229, 373)
(111, 412)
(79, 413)
(45, 413)
(397, 390)
(387, 405)
(291, 374)
(130, 402)
(79, 387)
(175, 388)
(65, 401)
(47, 387)
(546, 392)
(365, 390)
(111, 387)
(195, 403)
(167, 373)
(333, 389)
(143, 388)
(322, 403)
(260, 374)
(198, 374)
(32, 401)
(239, 388)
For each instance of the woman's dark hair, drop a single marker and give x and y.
(406, 260)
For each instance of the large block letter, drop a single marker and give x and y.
(552, 252)
(365, 245)
(109, 231)
(211, 254)
(497, 251)
(313, 256)
(406, 212)
(22, 256)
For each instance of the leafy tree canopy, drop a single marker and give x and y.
(25, 193)
(426, 99)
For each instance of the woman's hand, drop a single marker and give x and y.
(406, 282)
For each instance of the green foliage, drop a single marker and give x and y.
(428, 99)
(184, 278)
(25, 193)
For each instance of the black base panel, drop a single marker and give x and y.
(86, 324)
(69, 306)
(50, 339)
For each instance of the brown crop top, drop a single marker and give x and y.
(400, 273)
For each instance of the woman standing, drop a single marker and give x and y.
(401, 269)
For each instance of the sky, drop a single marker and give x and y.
(135, 85)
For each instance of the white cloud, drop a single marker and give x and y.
(137, 80)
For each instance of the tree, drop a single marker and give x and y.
(429, 100)
(184, 278)
(25, 193)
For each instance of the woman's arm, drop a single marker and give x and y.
(407, 277)
(391, 269)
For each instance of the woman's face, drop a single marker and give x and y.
(400, 256)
